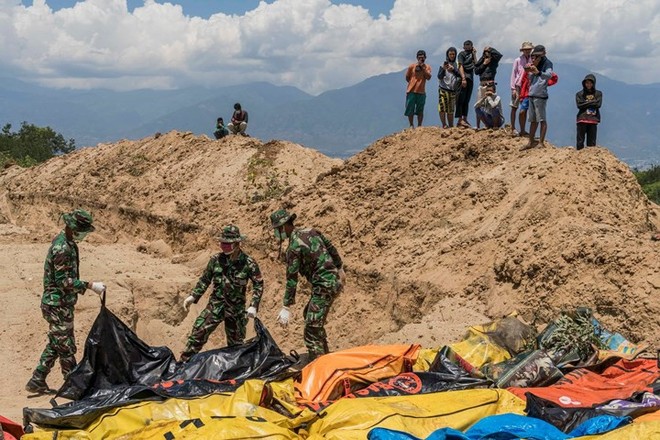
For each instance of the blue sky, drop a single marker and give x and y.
(205, 8)
(315, 45)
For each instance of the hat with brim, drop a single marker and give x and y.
(526, 46)
(281, 217)
(538, 50)
(231, 234)
(79, 220)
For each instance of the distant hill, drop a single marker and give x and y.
(338, 122)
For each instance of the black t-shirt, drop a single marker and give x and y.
(466, 59)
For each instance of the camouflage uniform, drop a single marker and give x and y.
(227, 301)
(312, 255)
(62, 286)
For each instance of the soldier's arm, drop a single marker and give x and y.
(292, 269)
(65, 275)
(257, 284)
(332, 250)
(204, 281)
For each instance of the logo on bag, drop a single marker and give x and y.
(566, 400)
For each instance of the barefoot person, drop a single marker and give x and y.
(466, 60)
(416, 76)
(449, 80)
(539, 72)
(517, 74)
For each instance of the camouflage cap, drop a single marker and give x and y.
(79, 220)
(231, 234)
(280, 217)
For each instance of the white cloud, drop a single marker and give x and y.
(314, 44)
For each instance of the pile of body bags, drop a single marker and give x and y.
(503, 380)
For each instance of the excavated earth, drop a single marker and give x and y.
(439, 230)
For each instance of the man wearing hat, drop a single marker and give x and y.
(312, 255)
(62, 285)
(539, 73)
(416, 76)
(517, 74)
(229, 271)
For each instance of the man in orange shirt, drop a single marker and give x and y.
(416, 77)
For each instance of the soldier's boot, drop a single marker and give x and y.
(186, 355)
(37, 384)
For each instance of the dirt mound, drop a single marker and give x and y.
(450, 213)
(439, 229)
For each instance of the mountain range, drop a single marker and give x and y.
(338, 122)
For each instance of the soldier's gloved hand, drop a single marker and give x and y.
(251, 312)
(284, 315)
(187, 302)
(98, 287)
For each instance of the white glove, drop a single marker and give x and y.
(283, 317)
(251, 312)
(187, 302)
(98, 287)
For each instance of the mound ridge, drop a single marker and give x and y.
(471, 215)
(439, 229)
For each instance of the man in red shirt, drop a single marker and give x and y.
(416, 76)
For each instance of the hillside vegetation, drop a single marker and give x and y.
(650, 182)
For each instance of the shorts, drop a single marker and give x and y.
(415, 103)
(537, 109)
(447, 101)
(524, 104)
(515, 99)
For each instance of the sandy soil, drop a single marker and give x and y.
(440, 229)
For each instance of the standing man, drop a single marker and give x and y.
(416, 76)
(239, 120)
(517, 74)
(229, 271)
(466, 60)
(588, 101)
(62, 285)
(539, 72)
(312, 255)
(486, 66)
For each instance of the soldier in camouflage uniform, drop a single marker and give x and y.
(229, 271)
(311, 254)
(62, 285)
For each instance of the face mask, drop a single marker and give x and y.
(227, 248)
(79, 236)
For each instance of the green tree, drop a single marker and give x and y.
(650, 182)
(32, 144)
